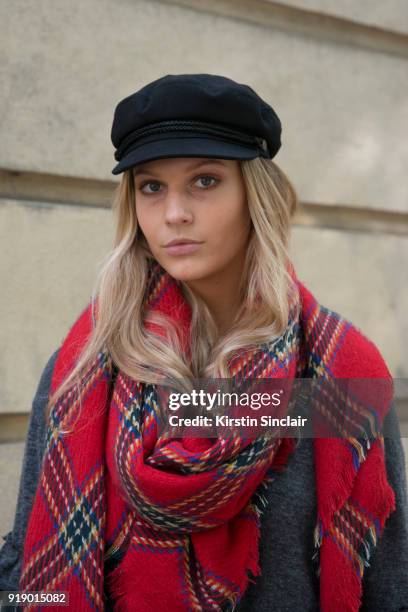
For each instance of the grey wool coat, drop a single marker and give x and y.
(288, 582)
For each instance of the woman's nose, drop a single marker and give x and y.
(177, 209)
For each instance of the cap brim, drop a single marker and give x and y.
(185, 147)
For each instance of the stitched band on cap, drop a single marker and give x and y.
(197, 127)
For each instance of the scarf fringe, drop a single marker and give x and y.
(343, 480)
(373, 533)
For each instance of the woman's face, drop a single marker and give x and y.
(197, 199)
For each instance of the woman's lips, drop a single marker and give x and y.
(183, 249)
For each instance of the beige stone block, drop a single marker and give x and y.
(66, 67)
(362, 277)
(392, 14)
(11, 459)
(50, 257)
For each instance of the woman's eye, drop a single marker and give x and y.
(142, 187)
(154, 186)
(206, 180)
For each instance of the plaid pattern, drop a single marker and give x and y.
(151, 523)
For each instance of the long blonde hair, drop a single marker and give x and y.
(121, 283)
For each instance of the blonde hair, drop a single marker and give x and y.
(120, 292)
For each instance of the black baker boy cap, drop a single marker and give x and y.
(193, 115)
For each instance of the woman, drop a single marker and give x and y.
(122, 515)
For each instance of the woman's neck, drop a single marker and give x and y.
(221, 294)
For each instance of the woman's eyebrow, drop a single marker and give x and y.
(144, 170)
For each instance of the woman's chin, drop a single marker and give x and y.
(185, 271)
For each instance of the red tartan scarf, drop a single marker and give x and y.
(121, 515)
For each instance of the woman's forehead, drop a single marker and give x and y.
(185, 163)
